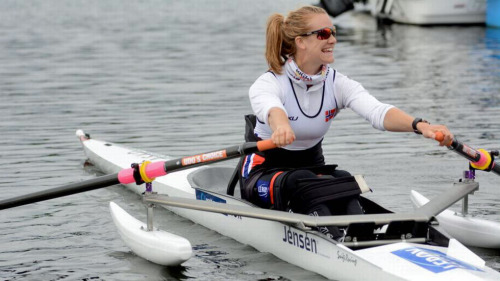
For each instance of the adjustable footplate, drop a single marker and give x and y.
(367, 234)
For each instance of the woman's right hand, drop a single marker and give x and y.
(282, 131)
(283, 135)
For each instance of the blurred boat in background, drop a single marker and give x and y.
(419, 12)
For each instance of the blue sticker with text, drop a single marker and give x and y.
(202, 195)
(432, 260)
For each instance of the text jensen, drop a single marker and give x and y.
(299, 240)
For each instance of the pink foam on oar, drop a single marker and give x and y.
(153, 170)
(484, 161)
(126, 176)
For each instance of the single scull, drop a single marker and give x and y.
(379, 245)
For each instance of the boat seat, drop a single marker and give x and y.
(211, 178)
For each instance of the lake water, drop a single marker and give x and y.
(172, 77)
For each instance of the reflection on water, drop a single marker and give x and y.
(492, 42)
(172, 77)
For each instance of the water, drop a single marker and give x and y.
(172, 77)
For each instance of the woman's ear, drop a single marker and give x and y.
(299, 42)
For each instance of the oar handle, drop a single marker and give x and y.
(264, 145)
(479, 159)
(147, 172)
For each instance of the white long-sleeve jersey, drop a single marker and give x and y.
(310, 111)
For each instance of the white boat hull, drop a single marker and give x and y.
(429, 12)
(468, 230)
(308, 249)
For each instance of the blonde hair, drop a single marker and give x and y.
(281, 33)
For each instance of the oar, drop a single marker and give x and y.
(479, 159)
(145, 172)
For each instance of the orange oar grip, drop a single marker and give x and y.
(265, 145)
(439, 136)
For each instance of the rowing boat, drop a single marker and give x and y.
(379, 245)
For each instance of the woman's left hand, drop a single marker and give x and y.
(429, 131)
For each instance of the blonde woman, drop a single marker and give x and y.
(295, 103)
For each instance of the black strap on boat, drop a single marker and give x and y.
(314, 191)
(250, 122)
(235, 177)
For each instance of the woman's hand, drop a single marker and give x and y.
(429, 131)
(283, 135)
(282, 131)
(397, 120)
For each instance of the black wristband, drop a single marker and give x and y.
(415, 122)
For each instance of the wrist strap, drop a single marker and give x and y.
(414, 125)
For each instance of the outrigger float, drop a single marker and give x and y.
(379, 245)
(469, 230)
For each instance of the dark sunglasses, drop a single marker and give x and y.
(323, 33)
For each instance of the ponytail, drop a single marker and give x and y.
(274, 42)
(281, 33)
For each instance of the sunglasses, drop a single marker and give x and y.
(323, 33)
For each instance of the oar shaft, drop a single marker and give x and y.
(149, 171)
(479, 159)
(474, 156)
(465, 151)
(496, 168)
(61, 191)
(213, 156)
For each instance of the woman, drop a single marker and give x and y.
(295, 103)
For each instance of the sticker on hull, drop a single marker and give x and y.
(432, 260)
(204, 196)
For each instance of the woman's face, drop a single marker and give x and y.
(316, 51)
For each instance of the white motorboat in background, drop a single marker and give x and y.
(419, 12)
(431, 12)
